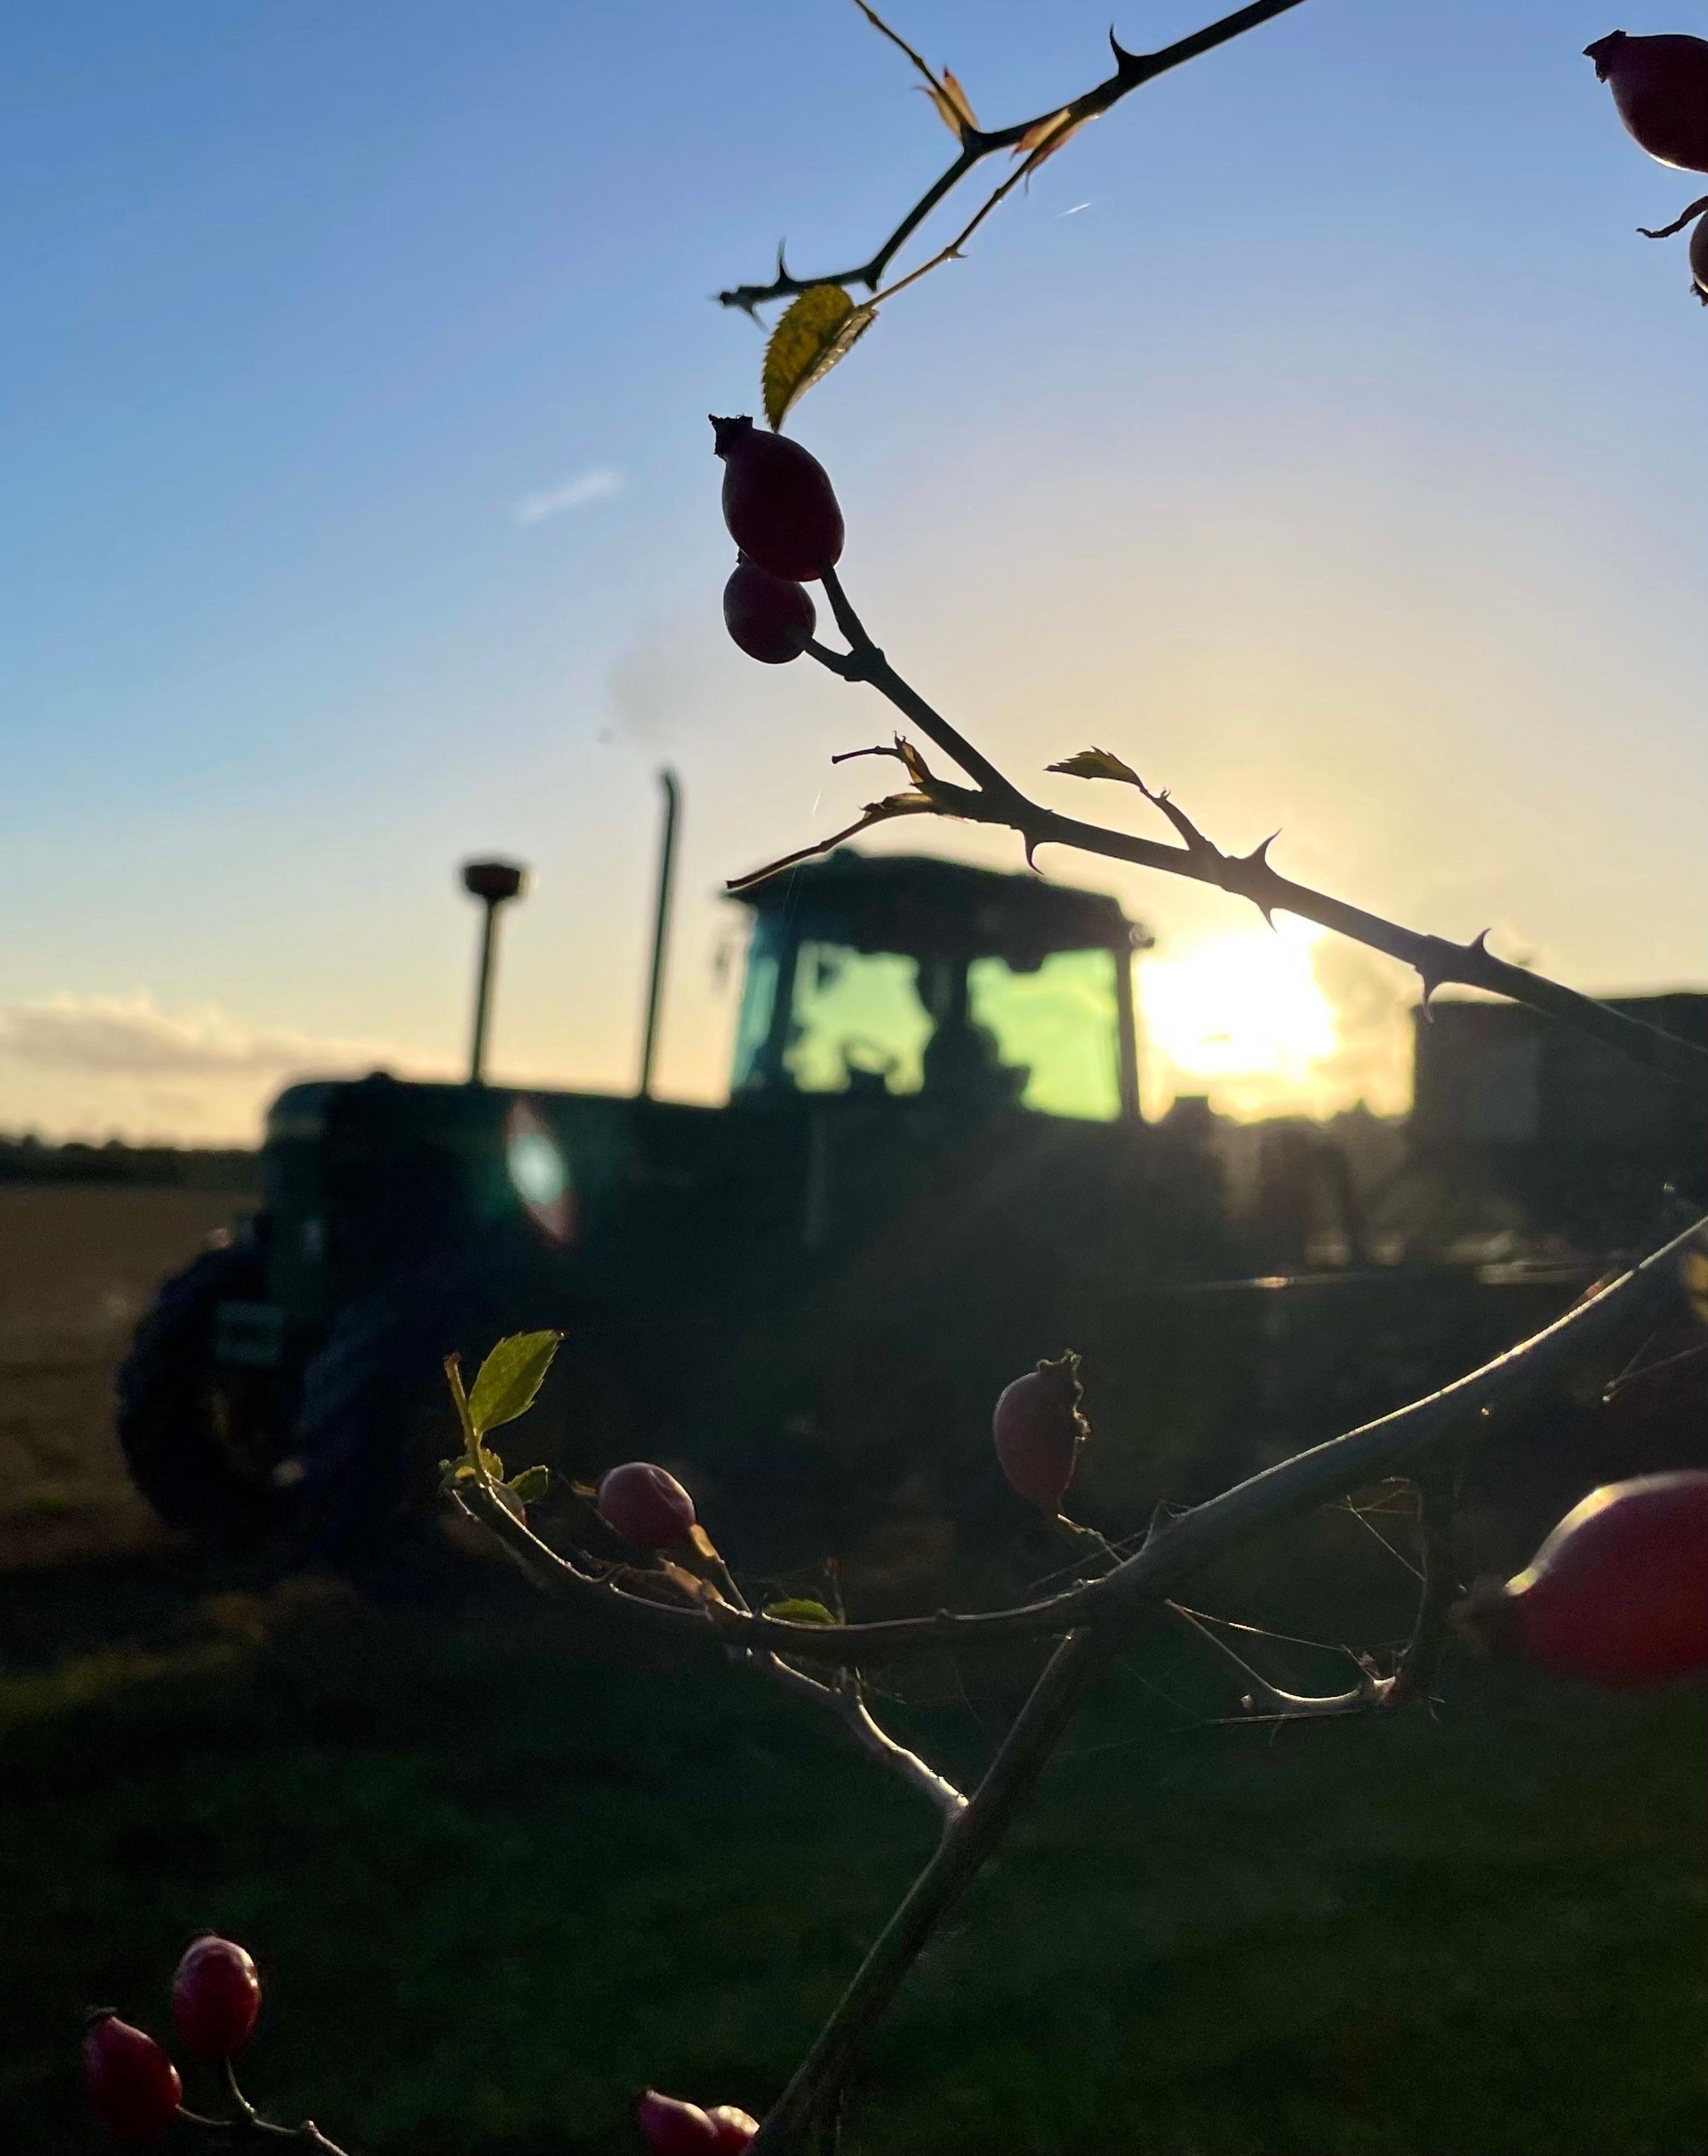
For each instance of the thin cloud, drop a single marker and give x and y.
(599, 485)
(127, 1036)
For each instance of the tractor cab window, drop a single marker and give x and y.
(818, 1016)
(1060, 1022)
(857, 1022)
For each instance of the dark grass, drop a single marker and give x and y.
(498, 1876)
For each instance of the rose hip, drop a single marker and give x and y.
(132, 2087)
(645, 1505)
(778, 501)
(1617, 1595)
(1660, 90)
(769, 617)
(216, 1996)
(1038, 1430)
(670, 2127)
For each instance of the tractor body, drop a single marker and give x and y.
(931, 1171)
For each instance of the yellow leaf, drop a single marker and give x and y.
(1044, 137)
(815, 332)
(916, 767)
(946, 110)
(957, 98)
(799, 1610)
(953, 107)
(1693, 1273)
(1098, 763)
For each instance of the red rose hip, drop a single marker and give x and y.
(646, 1507)
(670, 2127)
(133, 2088)
(1617, 1595)
(216, 1996)
(769, 617)
(1038, 1429)
(1660, 89)
(778, 501)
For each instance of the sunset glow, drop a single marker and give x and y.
(1242, 1017)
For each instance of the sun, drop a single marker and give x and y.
(1243, 1018)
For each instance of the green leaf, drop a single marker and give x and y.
(531, 1485)
(511, 1378)
(800, 1612)
(815, 332)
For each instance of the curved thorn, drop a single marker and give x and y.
(782, 267)
(1123, 58)
(1477, 947)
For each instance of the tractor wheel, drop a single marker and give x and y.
(199, 1440)
(375, 1420)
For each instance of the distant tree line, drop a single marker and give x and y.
(31, 1159)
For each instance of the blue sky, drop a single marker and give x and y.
(1316, 432)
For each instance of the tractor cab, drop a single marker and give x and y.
(909, 978)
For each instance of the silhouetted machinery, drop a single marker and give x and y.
(930, 1171)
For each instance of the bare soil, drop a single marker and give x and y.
(79, 1264)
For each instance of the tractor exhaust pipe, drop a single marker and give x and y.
(494, 883)
(661, 928)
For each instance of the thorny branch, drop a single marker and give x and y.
(993, 798)
(966, 1842)
(1267, 1703)
(1034, 140)
(1091, 1621)
(846, 1698)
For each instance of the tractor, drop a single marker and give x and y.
(931, 1170)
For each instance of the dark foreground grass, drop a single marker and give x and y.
(498, 1878)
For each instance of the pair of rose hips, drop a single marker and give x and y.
(131, 2085)
(1617, 1596)
(671, 2127)
(1038, 1427)
(783, 513)
(1660, 91)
